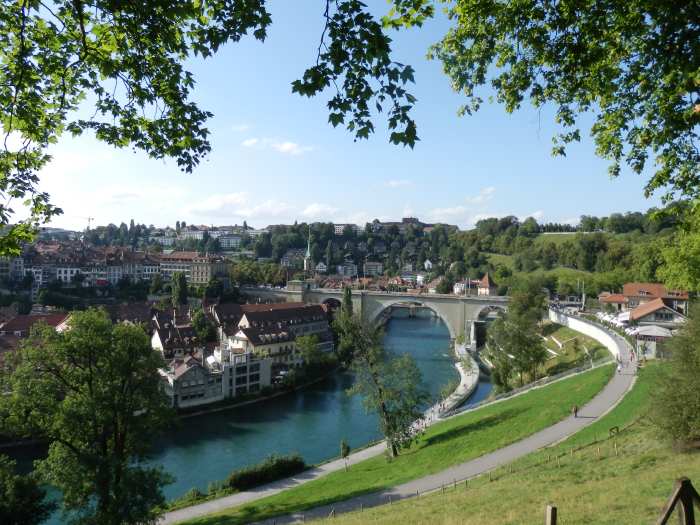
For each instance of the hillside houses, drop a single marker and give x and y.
(647, 304)
(255, 344)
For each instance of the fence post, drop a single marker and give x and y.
(550, 515)
(684, 494)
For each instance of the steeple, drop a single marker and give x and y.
(308, 244)
(307, 257)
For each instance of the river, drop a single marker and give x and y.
(311, 422)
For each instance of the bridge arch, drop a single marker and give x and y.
(373, 317)
(332, 302)
(484, 312)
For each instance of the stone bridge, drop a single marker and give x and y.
(459, 313)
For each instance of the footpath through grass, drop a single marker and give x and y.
(589, 483)
(443, 445)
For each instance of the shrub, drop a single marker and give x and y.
(676, 407)
(271, 469)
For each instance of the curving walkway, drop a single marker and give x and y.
(597, 407)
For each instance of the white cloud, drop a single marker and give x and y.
(218, 203)
(286, 147)
(240, 128)
(317, 210)
(447, 214)
(479, 217)
(537, 215)
(290, 148)
(271, 208)
(397, 183)
(486, 194)
(360, 218)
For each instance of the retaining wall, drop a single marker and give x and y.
(586, 328)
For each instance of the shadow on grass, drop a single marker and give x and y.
(549, 329)
(462, 431)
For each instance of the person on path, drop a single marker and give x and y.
(574, 411)
(619, 368)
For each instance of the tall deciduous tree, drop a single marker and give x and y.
(681, 258)
(93, 393)
(390, 386)
(179, 289)
(676, 407)
(127, 59)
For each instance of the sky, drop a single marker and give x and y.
(275, 159)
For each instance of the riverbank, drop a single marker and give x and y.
(441, 446)
(592, 477)
(260, 399)
(468, 381)
(375, 475)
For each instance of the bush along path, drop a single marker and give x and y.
(297, 509)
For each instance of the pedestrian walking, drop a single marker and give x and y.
(619, 368)
(574, 411)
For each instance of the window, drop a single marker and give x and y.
(241, 390)
(255, 387)
(254, 378)
(240, 370)
(242, 380)
(255, 367)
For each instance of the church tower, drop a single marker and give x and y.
(307, 258)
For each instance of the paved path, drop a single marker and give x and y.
(599, 405)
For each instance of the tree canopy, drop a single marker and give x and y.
(93, 392)
(390, 385)
(634, 65)
(22, 500)
(118, 70)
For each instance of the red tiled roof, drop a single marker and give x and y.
(8, 343)
(652, 290)
(647, 308)
(179, 256)
(23, 323)
(612, 298)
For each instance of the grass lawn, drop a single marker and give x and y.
(592, 485)
(443, 445)
(556, 238)
(499, 258)
(569, 355)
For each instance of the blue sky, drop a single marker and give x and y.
(275, 159)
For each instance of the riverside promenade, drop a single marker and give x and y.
(611, 394)
(469, 379)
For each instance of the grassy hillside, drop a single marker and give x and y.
(498, 258)
(445, 444)
(592, 485)
(572, 353)
(556, 238)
